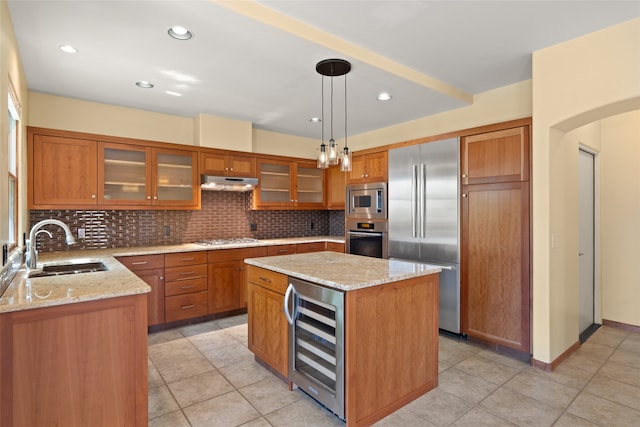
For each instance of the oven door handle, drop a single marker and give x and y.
(364, 233)
(287, 296)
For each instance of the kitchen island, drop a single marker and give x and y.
(390, 318)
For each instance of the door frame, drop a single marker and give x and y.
(597, 260)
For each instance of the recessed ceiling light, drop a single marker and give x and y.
(384, 96)
(315, 120)
(144, 84)
(67, 48)
(169, 92)
(180, 33)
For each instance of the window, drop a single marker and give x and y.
(12, 151)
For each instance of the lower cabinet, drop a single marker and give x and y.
(268, 327)
(227, 282)
(186, 293)
(81, 364)
(302, 248)
(335, 247)
(150, 268)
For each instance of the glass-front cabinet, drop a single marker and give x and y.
(289, 184)
(131, 175)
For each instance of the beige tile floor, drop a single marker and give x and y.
(204, 375)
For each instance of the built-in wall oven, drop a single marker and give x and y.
(316, 342)
(367, 237)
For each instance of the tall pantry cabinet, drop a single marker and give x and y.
(495, 237)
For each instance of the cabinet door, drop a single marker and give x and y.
(243, 166)
(176, 178)
(224, 286)
(500, 156)
(155, 299)
(358, 170)
(281, 250)
(276, 184)
(309, 186)
(124, 175)
(335, 247)
(302, 248)
(268, 327)
(64, 171)
(377, 167)
(495, 263)
(213, 164)
(336, 183)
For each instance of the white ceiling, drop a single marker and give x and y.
(245, 62)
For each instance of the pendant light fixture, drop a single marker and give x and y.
(329, 154)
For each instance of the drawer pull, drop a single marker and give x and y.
(186, 307)
(184, 273)
(180, 279)
(264, 279)
(187, 259)
(187, 287)
(140, 263)
(283, 251)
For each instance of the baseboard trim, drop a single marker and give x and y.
(620, 325)
(544, 366)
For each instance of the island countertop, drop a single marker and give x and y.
(343, 271)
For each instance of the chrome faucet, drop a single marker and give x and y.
(32, 253)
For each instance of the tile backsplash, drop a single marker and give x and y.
(223, 215)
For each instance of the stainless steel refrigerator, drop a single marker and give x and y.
(424, 216)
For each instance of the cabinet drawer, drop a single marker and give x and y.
(186, 306)
(187, 272)
(302, 248)
(335, 247)
(185, 258)
(281, 250)
(219, 255)
(185, 286)
(142, 262)
(276, 282)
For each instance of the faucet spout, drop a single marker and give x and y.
(32, 253)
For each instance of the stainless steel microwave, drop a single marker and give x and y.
(367, 201)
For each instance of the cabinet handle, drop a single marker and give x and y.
(185, 307)
(161, 277)
(93, 196)
(464, 194)
(464, 175)
(184, 273)
(231, 169)
(155, 197)
(283, 251)
(187, 259)
(140, 263)
(148, 197)
(181, 279)
(264, 279)
(187, 287)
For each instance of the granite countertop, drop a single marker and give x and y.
(28, 293)
(343, 271)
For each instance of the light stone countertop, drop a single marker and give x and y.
(343, 271)
(28, 293)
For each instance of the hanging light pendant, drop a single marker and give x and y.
(329, 155)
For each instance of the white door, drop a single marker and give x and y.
(586, 250)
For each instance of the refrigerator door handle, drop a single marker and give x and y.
(423, 199)
(415, 179)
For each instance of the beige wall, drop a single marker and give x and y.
(218, 132)
(11, 67)
(574, 83)
(57, 112)
(620, 214)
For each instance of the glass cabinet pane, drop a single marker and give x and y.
(309, 185)
(275, 183)
(124, 174)
(175, 172)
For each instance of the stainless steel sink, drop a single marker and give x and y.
(60, 269)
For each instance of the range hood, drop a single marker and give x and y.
(227, 183)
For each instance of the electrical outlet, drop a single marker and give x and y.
(253, 226)
(167, 231)
(312, 225)
(81, 233)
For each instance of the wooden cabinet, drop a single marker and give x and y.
(228, 165)
(292, 185)
(495, 239)
(335, 188)
(500, 156)
(372, 167)
(63, 171)
(267, 324)
(227, 282)
(335, 247)
(281, 250)
(150, 268)
(81, 364)
(302, 248)
(76, 171)
(185, 285)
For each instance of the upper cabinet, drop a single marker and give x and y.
(335, 184)
(295, 184)
(372, 167)
(227, 165)
(78, 173)
(500, 156)
(64, 171)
